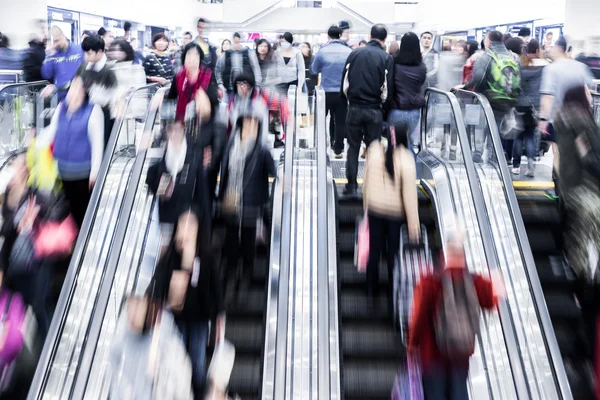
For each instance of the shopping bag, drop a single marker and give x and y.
(221, 365)
(361, 248)
(43, 169)
(408, 384)
(55, 238)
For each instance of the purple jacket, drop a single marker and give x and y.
(62, 66)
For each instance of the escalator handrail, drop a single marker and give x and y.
(88, 351)
(67, 291)
(275, 389)
(514, 355)
(525, 249)
(21, 84)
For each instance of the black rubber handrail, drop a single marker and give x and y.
(68, 289)
(512, 345)
(552, 348)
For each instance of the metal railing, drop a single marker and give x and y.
(67, 294)
(16, 73)
(596, 107)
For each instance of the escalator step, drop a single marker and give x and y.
(355, 305)
(248, 336)
(562, 305)
(366, 380)
(250, 303)
(541, 240)
(374, 340)
(566, 338)
(537, 212)
(246, 377)
(554, 273)
(350, 276)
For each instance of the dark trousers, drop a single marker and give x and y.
(108, 125)
(446, 384)
(195, 337)
(240, 242)
(78, 195)
(337, 109)
(383, 233)
(362, 124)
(527, 136)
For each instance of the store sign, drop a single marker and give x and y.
(252, 36)
(59, 15)
(112, 23)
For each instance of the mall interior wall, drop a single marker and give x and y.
(16, 19)
(581, 22)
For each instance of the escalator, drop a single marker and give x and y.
(71, 324)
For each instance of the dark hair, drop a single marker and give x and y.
(463, 45)
(426, 33)
(309, 50)
(577, 98)
(379, 32)
(4, 41)
(482, 44)
(288, 37)
(187, 33)
(159, 36)
(269, 47)
(410, 50)
(223, 42)
(94, 43)
(334, 32)
(102, 31)
(192, 46)
(401, 133)
(125, 47)
(562, 43)
(495, 36)
(506, 36)
(127, 26)
(201, 20)
(237, 35)
(533, 47)
(472, 47)
(88, 33)
(362, 42)
(515, 45)
(524, 32)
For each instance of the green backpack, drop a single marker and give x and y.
(504, 82)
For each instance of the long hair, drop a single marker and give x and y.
(531, 51)
(577, 97)
(397, 136)
(270, 50)
(410, 50)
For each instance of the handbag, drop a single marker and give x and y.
(512, 125)
(361, 249)
(408, 384)
(55, 238)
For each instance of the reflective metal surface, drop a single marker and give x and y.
(537, 342)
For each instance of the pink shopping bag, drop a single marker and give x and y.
(361, 251)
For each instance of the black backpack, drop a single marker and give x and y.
(456, 321)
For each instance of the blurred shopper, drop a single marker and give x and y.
(362, 43)
(10, 60)
(107, 36)
(225, 45)
(410, 74)
(558, 77)
(99, 80)
(452, 62)
(330, 62)
(525, 35)
(345, 27)
(210, 51)
(366, 83)
(61, 63)
(177, 63)
(36, 54)
(591, 56)
(310, 79)
(129, 76)
(390, 198)
(473, 53)
(290, 65)
(187, 38)
(268, 68)
(188, 278)
(445, 357)
(158, 65)
(236, 61)
(431, 58)
(515, 46)
(528, 104)
(245, 98)
(77, 134)
(393, 48)
(147, 358)
(244, 192)
(127, 31)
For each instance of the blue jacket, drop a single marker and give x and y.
(72, 147)
(10, 60)
(330, 62)
(62, 66)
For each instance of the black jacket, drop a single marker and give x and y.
(258, 168)
(204, 301)
(369, 77)
(32, 64)
(408, 86)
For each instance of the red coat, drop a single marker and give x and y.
(426, 298)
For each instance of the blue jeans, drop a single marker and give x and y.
(195, 337)
(411, 118)
(444, 384)
(527, 136)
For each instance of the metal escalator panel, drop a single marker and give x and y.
(496, 369)
(541, 357)
(61, 355)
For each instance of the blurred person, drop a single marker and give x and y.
(451, 66)
(10, 59)
(61, 63)
(157, 64)
(225, 45)
(244, 193)
(515, 46)
(528, 104)
(233, 62)
(129, 76)
(307, 54)
(579, 144)
(268, 68)
(173, 46)
(139, 55)
(393, 48)
(177, 63)
(548, 41)
(410, 74)
(473, 53)
(445, 375)
(35, 55)
(248, 97)
(362, 43)
(506, 36)
(210, 51)
(345, 27)
(367, 83)
(558, 77)
(187, 38)
(525, 35)
(99, 80)
(148, 359)
(77, 133)
(390, 198)
(591, 56)
(290, 65)
(187, 278)
(87, 33)
(127, 29)
(107, 36)
(330, 63)
(431, 58)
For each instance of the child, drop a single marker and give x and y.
(443, 373)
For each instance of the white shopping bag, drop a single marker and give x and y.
(221, 365)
